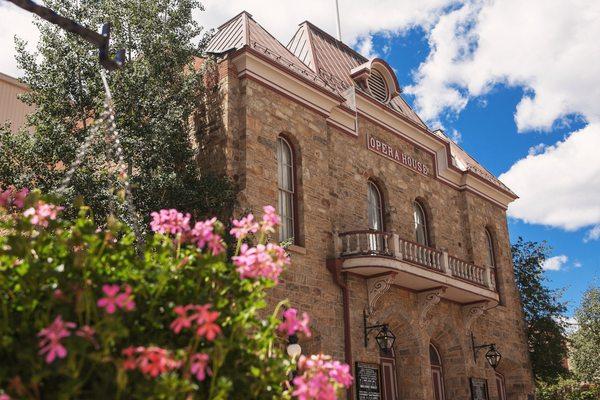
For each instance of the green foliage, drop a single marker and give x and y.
(544, 312)
(567, 389)
(586, 340)
(61, 270)
(155, 97)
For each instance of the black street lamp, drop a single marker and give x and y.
(385, 338)
(492, 356)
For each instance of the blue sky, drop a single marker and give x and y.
(516, 82)
(489, 133)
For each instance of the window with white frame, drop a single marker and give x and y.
(286, 188)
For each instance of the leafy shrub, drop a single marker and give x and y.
(568, 389)
(85, 314)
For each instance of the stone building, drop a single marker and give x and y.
(393, 224)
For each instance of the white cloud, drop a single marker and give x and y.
(20, 25)
(545, 47)
(364, 46)
(592, 234)
(555, 263)
(537, 149)
(561, 186)
(455, 135)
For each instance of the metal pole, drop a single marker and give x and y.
(337, 19)
(101, 41)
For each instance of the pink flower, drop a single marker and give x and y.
(170, 222)
(42, 213)
(153, 361)
(125, 299)
(270, 220)
(261, 261)
(203, 235)
(19, 197)
(244, 226)
(199, 366)
(51, 336)
(183, 321)
(114, 299)
(5, 197)
(316, 387)
(200, 316)
(206, 324)
(340, 373)
(291, 324)
(4, 396)
(320, 378)
(87, 332)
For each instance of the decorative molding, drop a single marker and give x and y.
(471, 312)
(427, 300)
(376, 287)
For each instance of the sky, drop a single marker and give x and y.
(515, 83)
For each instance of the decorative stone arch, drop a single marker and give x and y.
(451, 345)
(411, 356)
(515, 382)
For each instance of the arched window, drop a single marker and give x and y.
(375, 215)
(437, 375)
(421, 232)
(375, 210)
(286, 186)
(491, 258)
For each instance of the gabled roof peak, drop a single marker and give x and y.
(244, 14)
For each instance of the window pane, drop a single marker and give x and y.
(374, 208)
(491, 261)
(420, 225)
(285, 183)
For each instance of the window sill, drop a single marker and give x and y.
(296, 249)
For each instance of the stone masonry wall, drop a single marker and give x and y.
(333, 170)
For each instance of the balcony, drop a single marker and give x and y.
(416, 267)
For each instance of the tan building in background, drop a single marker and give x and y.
(12, 109)
(393, 225)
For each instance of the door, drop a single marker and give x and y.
(500, 386)
(389, 384)
(438, 383)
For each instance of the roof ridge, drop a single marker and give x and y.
(336, 41)
(230, 20)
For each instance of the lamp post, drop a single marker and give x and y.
(385, 338)
(492, 356)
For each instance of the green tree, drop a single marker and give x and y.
(155, 97)
(586, 340)
(544, 312)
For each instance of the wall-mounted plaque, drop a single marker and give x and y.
(479, 389)
(367, 381)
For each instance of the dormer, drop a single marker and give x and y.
(377, 78)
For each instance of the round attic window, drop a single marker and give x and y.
(378, 86)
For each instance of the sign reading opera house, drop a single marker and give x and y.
(400, 250)
(396, 155)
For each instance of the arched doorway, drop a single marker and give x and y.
(437, 373)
